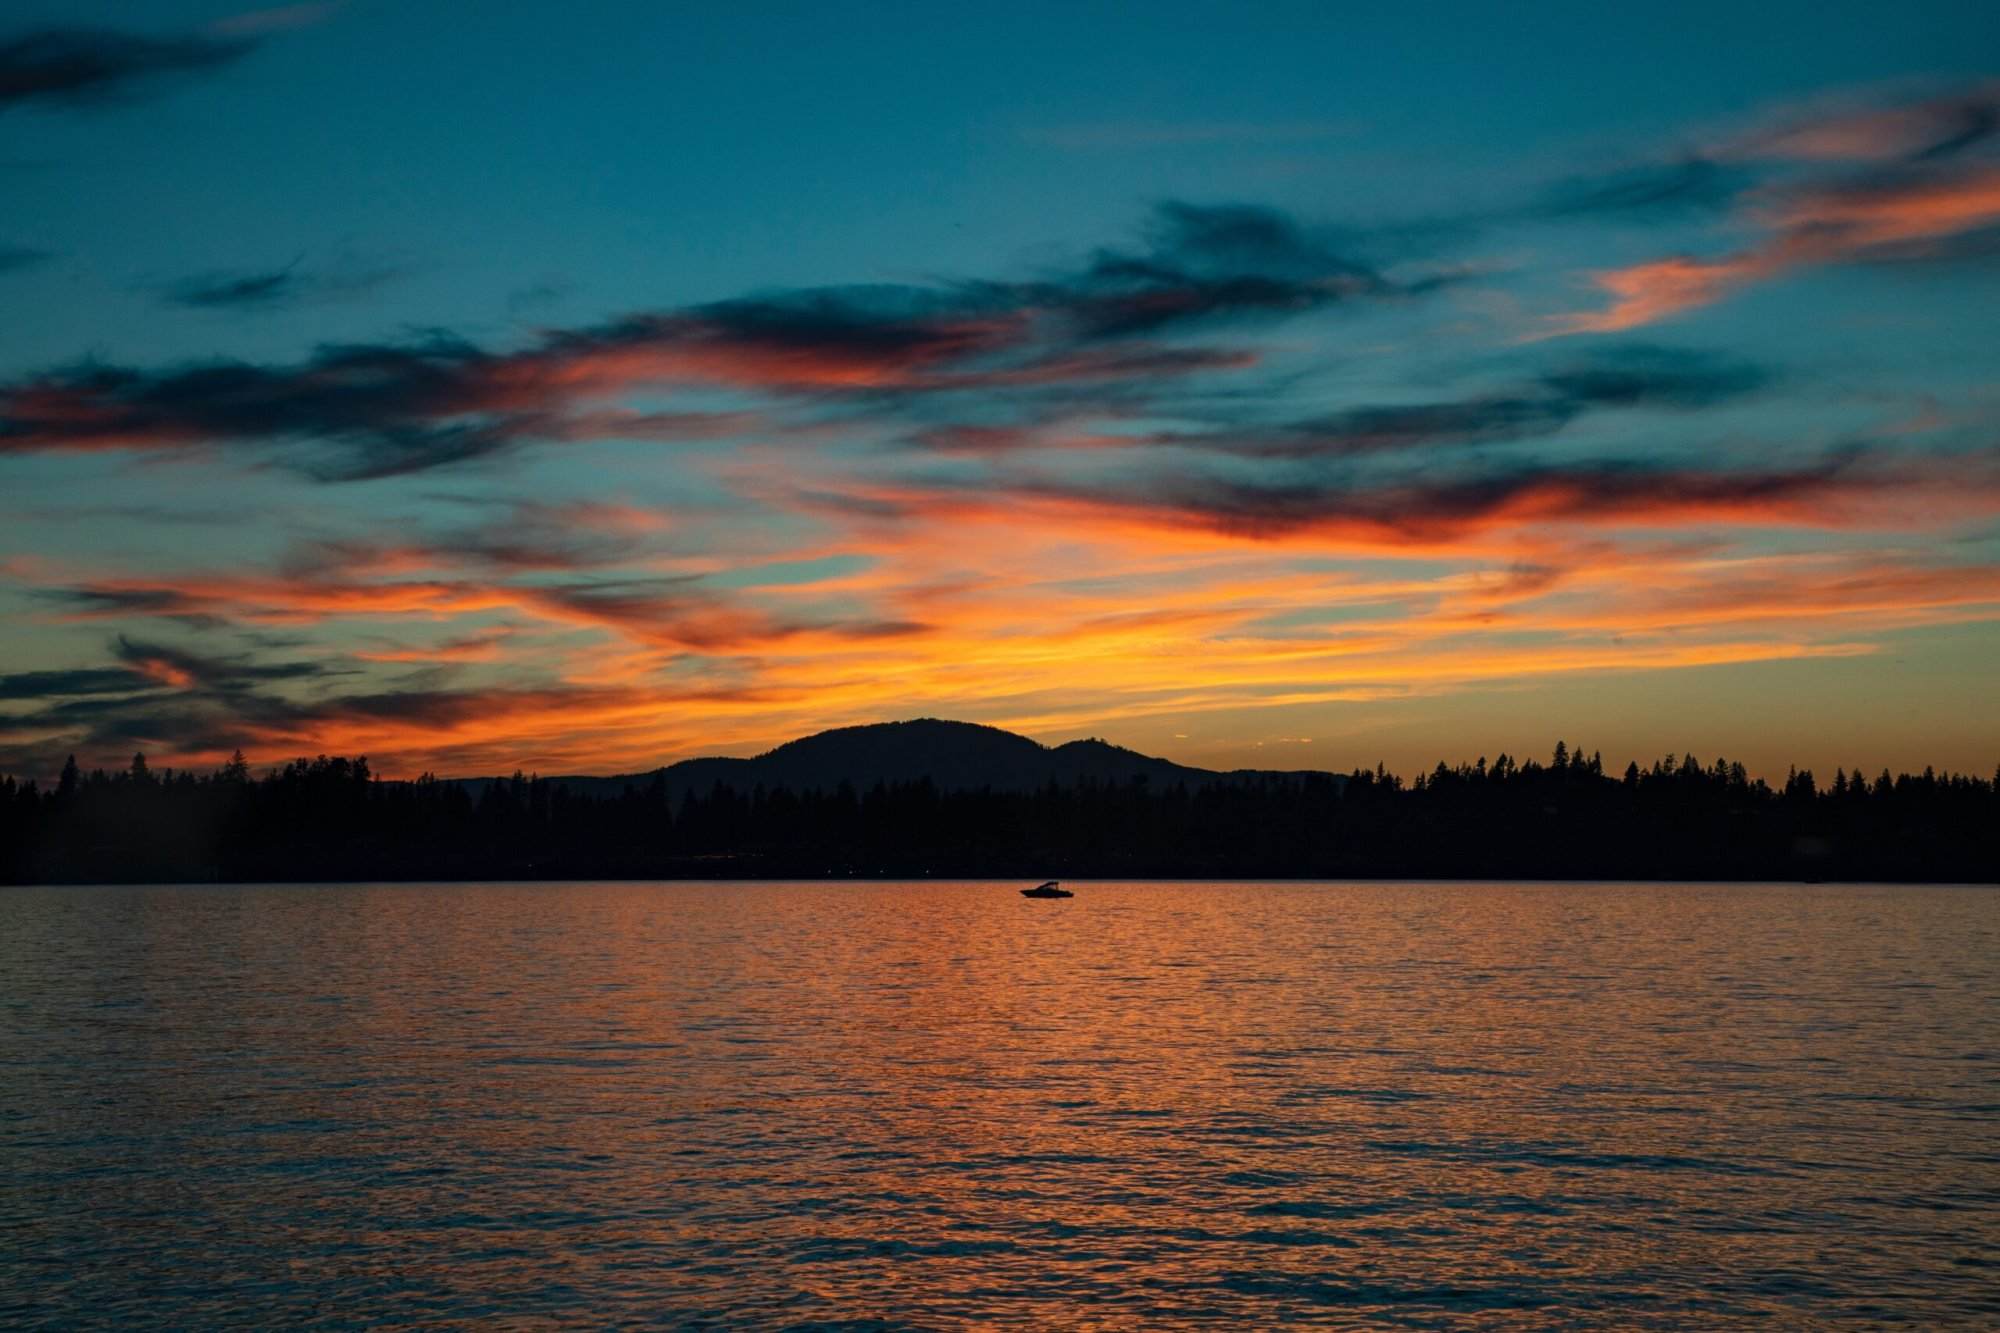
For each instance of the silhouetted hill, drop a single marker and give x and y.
(956, 756)
(774, 817)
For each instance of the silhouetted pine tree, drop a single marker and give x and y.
(332, 819)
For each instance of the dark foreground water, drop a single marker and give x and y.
(939, 1105)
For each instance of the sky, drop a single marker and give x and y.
(579, 388)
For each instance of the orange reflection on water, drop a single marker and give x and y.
(1152, 1106)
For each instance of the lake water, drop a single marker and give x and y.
(885, 1105)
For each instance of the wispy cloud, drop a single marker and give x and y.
(1688, 184)
(1884, 184)
(91, 66)
(1630, 379)
(72, 683)
(271, 288)
(280, 18)
(284, 287)
(80, 66)
(1433, 511)
(1921, 129)
(14, 257)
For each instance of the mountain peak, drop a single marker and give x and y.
(955, 756)
(911, 732)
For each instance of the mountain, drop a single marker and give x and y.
(957, 756)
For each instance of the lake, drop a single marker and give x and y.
(934, 1105)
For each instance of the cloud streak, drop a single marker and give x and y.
(1634, 378)
(72, 683)
(15, 257)
(82, 66)
(1924, 129)
(1431, 511)
(250, 291)
(1690, 184)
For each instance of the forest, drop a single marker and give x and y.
(332, 819)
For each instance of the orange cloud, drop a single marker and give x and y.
(1926, 128)
(1647, 293)
(1811, 227)
(1122, 632)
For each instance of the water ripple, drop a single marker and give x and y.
(902, 1106)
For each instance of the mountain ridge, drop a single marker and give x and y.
(956, 756)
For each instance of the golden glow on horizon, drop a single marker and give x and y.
(1046, 627)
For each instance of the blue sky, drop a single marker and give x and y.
(1556, 347)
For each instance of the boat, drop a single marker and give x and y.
(1048, 890)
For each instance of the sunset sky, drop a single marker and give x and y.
(579, 388)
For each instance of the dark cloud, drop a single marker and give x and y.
(1962, 123)
(1386, 429)
(429, 707)
(110, 601)
(191, 670)
(382, 409)
(66, 684)
(14, 257)
(274, 288)
(110, 728)
(1630, 378)
(815, 339)
(71, 66)
(402, 451)
(1433, 508)
(279, 288)
(1641, 375)
(1204, 264)
(1690, 184)
(353, 413)
(161, 695)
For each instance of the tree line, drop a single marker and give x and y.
(330, 819)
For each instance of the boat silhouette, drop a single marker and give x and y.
(1047, 890)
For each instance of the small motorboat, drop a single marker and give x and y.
(1048, 890)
